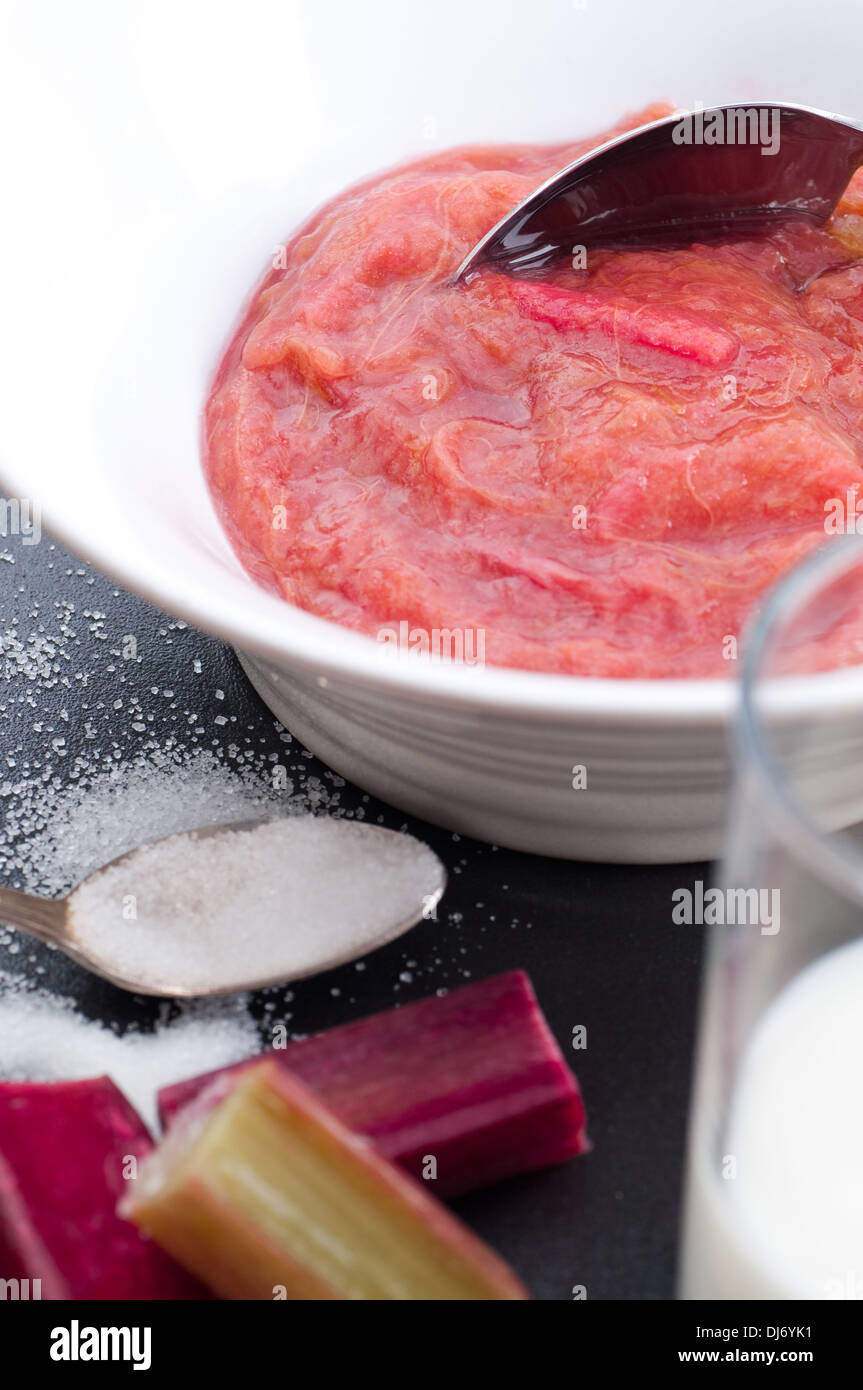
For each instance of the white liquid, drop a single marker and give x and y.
(790, 1223)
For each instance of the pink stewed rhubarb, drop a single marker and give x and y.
(597, 472)
(473, 1079)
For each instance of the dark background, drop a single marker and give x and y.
(597, 940)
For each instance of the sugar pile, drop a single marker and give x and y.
(56, 833)
(45, 1039)
(53, 836)
(289, 898)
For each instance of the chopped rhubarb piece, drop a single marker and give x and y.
(64, 1151)
(646, 325)
(473, 1079)
(267, 1194)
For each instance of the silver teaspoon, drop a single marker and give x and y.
(691, 176)
(238, 907)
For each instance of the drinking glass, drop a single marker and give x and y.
(774, 1191)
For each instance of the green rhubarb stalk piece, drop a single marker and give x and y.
(266, 1195)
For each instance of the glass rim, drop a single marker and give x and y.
(829, 855)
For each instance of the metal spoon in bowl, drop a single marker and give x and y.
(238, 907)
(688, 177)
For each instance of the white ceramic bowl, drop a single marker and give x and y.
(159, 152)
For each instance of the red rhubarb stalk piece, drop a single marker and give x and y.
(64, 1150)
(473, 1079)
(645, 325)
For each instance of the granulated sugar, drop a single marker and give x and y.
(45, 1039)
(56, 833)
(53, 835)
(286, 899)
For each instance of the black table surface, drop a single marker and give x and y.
(597, 940)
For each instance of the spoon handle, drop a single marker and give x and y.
(42, 917)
